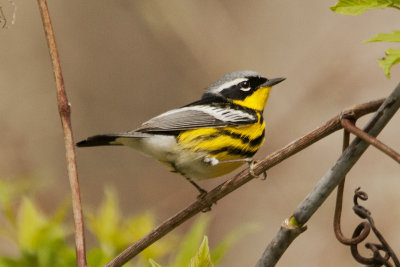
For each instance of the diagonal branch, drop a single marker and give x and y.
(65, 111)
(330, 180)
(349, 126)
(240, 179)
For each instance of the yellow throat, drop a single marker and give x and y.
(257, 100)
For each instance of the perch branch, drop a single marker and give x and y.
(349, 126)
(65, 111)
(335, 175)
(240, 179)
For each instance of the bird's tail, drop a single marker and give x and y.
(109, 139)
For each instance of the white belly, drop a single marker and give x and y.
(165, 149)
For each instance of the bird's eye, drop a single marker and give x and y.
(245, 86)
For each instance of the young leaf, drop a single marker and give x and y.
(42, 240)
(357, 7)
(392, 58)
(153, 263)
(202, 257)
(385, 37)
(190, 243)
(10, 191)
(106, 223)
(136, 227)
(30, 223)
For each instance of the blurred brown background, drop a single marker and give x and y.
(126, 61)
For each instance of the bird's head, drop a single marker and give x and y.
(245, 88)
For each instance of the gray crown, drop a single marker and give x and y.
(230, 77)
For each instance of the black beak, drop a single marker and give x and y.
(272, 82)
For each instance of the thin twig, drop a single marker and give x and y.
(335, 175)
(240, 179)
(3, 18)
(65, 111)
(338, 208)
(349, 126)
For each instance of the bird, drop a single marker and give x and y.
(206, 138)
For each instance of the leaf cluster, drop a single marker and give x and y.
(41, 240)
(357, 7)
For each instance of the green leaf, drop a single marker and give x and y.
(139, 226)
(202, 257)
(10, 192)
(105, 224)
(153, 263)
(40, 239)
(115, 233)
(392, 58)
(385, 37)
(30, 223)
(191, 242)
(357, 7)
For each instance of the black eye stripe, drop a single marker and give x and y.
(256, 81)
(236, 92)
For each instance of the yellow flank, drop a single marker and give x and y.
(257, 100)
(214, 141)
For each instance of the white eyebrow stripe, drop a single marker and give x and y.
(228, 84)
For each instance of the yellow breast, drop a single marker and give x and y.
(225, 143)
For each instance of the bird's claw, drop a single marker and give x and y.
(251, 170)
(200, 198)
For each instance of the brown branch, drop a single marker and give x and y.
(240, 179)
(65, 111)
(349, 126)
(333, 176)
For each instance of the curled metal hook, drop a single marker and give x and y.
(381, 253)
(364, 227)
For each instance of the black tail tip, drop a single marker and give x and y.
(82, 143)
(98, 140)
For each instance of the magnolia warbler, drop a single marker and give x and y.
(209, 137)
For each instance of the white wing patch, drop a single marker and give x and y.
(222, 114)
(197, 117)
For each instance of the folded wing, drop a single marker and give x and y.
(193, 117)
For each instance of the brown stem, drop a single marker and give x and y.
(364, 231)
(240, 179)
(339, 197)
(349, 126)
(65, 111)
